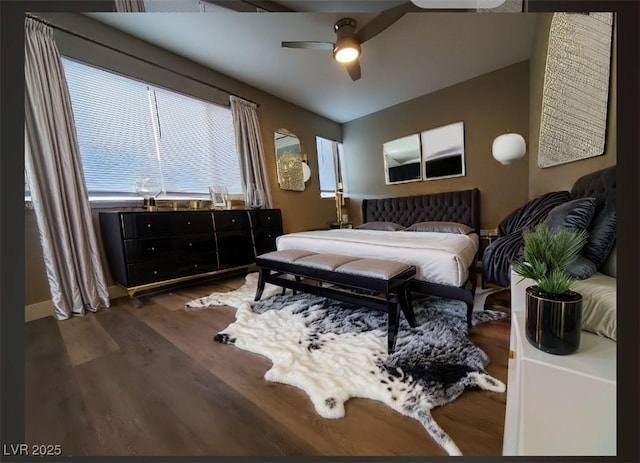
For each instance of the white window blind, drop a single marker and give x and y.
(330, 155)
(128, 129)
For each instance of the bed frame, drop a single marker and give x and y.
(454, 206)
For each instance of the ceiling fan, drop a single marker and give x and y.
(347, 47)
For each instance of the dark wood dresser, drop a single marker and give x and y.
(146, 250)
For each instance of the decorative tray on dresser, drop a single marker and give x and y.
(148, 250)
(558, 405)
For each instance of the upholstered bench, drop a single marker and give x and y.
(357, 281)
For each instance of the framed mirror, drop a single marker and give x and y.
(443, 152)
(402, 161)
(291, 164)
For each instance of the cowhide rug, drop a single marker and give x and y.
(334, 351)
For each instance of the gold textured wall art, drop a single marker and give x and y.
(575, 95)
(290, 174)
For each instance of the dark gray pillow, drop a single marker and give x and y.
(602, 235)
(581, 268)
(572, 215)
(440, 227)
(383, 226)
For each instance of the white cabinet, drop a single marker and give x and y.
(558, 404)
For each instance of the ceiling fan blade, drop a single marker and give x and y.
(353, 69)
(309, 45)
(385, 19)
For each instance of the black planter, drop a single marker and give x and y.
(553, 321)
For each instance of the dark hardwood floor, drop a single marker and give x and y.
(151, 381)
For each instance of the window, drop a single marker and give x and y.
(330, 166)
(128, 129)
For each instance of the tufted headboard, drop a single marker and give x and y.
(453, 206)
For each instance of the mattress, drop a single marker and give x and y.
(442, 258)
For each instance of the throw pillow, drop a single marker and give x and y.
(581, 268)
(440, 227)
(382, 226)
(602, 235)
(572, 215)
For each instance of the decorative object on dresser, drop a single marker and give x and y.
(334, 351)
(149, 188)
(553, 311)
(148, 250)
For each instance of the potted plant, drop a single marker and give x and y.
(553, 311)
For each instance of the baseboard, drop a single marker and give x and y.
(45, 308)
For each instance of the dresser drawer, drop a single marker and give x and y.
(265, 239)
(266, 218)
(145, 225)
(146, 249)
(232, 256)
(231, 221)
(189, 223)
(194, 243)
(165, 269)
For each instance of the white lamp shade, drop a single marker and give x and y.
(508, 148)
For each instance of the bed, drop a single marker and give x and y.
(445, 261)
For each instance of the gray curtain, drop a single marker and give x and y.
(130, 6)
(249, 144)
(58, 192)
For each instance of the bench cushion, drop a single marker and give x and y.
(365, 267)
(330, 262)
(289, 255)
(373, 268)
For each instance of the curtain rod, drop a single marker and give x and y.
(63, 29)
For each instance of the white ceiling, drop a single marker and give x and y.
(419, 54)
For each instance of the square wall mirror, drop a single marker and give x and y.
(402, 161)
(443, 152)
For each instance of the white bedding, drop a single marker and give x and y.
(442, 258)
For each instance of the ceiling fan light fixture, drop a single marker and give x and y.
(346, 50)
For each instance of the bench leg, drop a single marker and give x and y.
(294, 290)
(469, 315)
(393, 323)
(407, 306)
(263, 272)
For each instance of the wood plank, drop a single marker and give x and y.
(191, 412)
(85, 339)
(55, 412)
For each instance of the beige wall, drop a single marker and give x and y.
(563, 176)
(489, 105)
(273, 113)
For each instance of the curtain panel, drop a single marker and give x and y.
(54, 172)
(249, 145)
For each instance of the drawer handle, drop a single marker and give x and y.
(233, 220)
(268, 236)
(152, 248)
(268, 218)
(155, 272)
(195, 265)
(189, 223)
(148, 225)
(190, 244)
